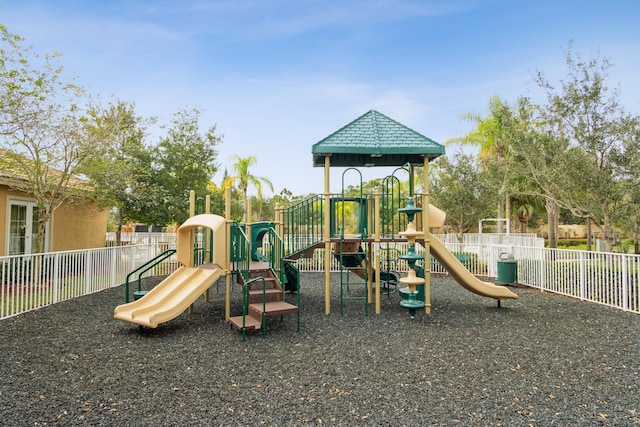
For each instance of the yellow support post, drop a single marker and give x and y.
(426, 230)
(327, 236)
(377, 283)
(192, 212)
(378, 228)
(207, 244)
(227, 267)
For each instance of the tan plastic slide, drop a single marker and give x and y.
(170, 298)
(464, 276)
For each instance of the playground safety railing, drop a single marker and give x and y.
(304, 220)
(240, 251)
(141, 270)
(276, 254)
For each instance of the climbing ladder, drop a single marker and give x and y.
(354, 274)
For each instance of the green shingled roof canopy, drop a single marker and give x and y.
(374, 139)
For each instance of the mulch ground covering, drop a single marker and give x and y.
(541, 360)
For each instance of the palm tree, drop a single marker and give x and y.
(493, 146)
(243, 178)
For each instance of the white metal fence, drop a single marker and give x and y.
(33, 281)
(29, 282)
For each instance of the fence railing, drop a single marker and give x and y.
(28, 282)
(137, 238)
(32, 281)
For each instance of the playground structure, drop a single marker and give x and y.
(367, 254)
(371, 140)
(210, 247)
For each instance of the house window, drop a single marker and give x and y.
(23, 227)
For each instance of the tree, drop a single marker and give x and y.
(244, 179)
(117, 173)
(459, 188)
(494, 148)
(628, 216)
(41, 129)
(589, 121)
(536, 157)
(184, 160)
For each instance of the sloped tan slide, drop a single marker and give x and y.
(464, 276)
(170, 298)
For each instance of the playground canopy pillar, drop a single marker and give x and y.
(377, 227)
(227, 266)
(427, 231)
(327, 235)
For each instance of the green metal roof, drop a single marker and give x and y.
(374, 139)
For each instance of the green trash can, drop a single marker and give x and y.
(507, 269)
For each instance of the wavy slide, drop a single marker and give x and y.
(464, 276)
(169, 298)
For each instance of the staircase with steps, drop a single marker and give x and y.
(265, 298)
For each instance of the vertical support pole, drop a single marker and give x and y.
(327, 236)
(378, 229)
(227, 266)
(427, 234)
(278, 220)
(192, 212)
(377, 263)
(208, 250)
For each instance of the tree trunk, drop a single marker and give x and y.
(589, 233)
(499, 227)
(553, 213)
(507, 214)
(119, 227)
(44, 215)
(636, 235)
(609, 236)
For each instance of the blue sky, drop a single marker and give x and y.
(277, 76)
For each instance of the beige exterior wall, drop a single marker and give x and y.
(77, 227)
(4, 196)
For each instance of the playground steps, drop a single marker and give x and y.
(273, 296)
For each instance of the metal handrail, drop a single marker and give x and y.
(146, 267)
(245, 306)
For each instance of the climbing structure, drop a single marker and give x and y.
(374, 139)
(412, 280)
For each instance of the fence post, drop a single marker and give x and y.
(114, 265)
(583, 274)
(625, 283)
(56, 278)
(87, 269)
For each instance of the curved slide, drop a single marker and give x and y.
(464, 276)
(171, 297)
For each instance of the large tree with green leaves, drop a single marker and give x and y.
(459, 187)
(627, 217)
(589, 126)
(117, 174)
(184, 160)
(41, 129)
